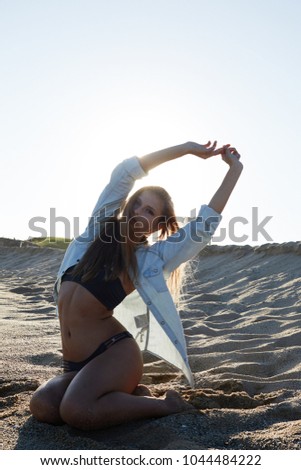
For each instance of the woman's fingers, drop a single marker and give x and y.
(221, 150)
(229, 154)
(235, 152)
(210, 149)
(208, 145)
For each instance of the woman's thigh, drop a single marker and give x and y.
(119, 368)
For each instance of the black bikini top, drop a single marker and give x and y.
(109, 293)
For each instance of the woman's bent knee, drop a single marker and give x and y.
(44, 408)
(45, 402)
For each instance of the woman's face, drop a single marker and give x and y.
(146, 214)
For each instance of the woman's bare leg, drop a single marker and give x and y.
(101, 394)
(46, 400)
(119, 407)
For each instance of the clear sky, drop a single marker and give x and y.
(86, 83)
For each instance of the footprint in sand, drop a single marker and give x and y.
(210, 399)
(11, 387)
(27, 290)
(10, 391)
(210, 298)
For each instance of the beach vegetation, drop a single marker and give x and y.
(51, 242)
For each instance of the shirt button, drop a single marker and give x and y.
(148, 302)
(176, 341)
(163, 322)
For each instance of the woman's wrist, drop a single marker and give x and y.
(189, 147)
(192, 148)
(236, 165)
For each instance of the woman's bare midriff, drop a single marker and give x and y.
(85, 322)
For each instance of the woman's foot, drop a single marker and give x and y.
(175, 403)
(142, 391)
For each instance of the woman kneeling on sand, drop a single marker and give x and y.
(113, 300)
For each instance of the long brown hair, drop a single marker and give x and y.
(114, 248)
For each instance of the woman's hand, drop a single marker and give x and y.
(205, 151)
(231, 156)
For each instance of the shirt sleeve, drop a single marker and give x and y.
(113, 196)
(189, 240)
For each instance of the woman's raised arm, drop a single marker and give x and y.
(151, 160)
(220, 198)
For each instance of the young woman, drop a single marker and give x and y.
(113, 300)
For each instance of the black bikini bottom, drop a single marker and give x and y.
(70, 366)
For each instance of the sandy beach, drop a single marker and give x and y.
(244, 343)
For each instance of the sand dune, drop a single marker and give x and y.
(244, 342)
